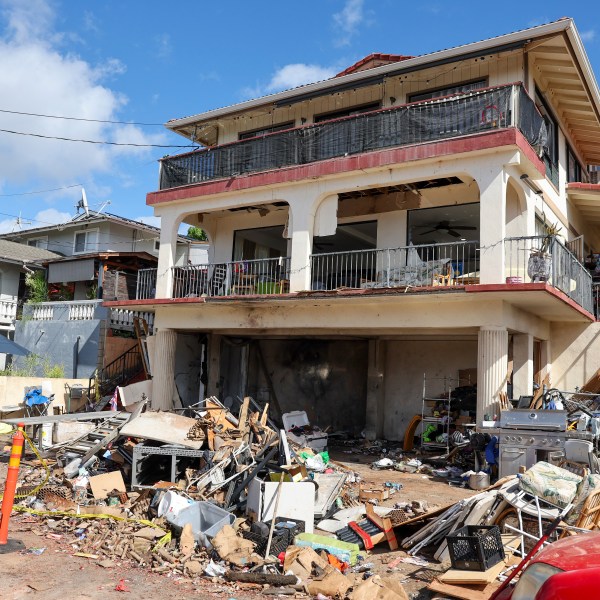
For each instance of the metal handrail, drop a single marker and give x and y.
(266, 276)
(470, 113)
(543, 258)
(423, 265)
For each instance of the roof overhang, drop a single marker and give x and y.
(586, 198)
(570, 81)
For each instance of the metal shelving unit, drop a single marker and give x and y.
(428, 419)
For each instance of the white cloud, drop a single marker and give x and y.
(163, 45)
(290, 76)
(348, 20)
(149, 220)
(48, 216)
(297, 74)
(588, 36)
(38, 76)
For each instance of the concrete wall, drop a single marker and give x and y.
(12, 390)
(325, 378)
(406, 362)
(57, 341)
(575, 352)
(188, 356)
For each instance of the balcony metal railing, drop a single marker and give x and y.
(146, 284)
(547, 259)
(266, 276)
(415, 123)
(409, 266)
(8, 311)
(596, 299)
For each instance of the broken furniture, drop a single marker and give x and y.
(301, 432)
(141, 452)
(369, 532)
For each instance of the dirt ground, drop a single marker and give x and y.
(57, 574)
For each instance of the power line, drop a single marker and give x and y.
(16, 112)
(64, 139)
(67, 187)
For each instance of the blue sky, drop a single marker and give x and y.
(146, 62)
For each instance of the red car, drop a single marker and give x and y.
(568, 569)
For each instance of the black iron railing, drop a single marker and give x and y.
(118, 372)
(416, 123)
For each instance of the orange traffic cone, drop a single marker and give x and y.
(10, 488)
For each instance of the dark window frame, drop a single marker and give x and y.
(347, 112)
(574, 167)
(467, 86)
(254, 133)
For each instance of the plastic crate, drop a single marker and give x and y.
(475, 547)
(281, 538)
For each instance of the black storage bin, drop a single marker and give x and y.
(282, 538)
(475, 547)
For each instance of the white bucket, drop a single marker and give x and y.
(47, 429)
(479, 481)
(171, 503)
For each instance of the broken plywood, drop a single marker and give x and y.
(165, 427)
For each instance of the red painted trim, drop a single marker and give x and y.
(528, 287)
(589, 187)
(369, 160)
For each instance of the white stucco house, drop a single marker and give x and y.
(413, 216)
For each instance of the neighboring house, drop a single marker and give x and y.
(376, 227)
(15, 262)
(93, 257)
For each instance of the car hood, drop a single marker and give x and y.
(577, 552)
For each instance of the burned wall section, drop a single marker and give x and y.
(406, 362)
(325, 378)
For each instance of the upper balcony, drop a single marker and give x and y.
(454, 116)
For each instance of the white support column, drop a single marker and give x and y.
(492, 365)
(301, 221)
(169, 225)
(522, 365)
(375, 390)
(163, 376)
(492, 219)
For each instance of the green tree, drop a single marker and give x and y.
(37, 287)
(197, 233)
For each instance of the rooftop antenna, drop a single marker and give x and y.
(103, 205)
(19, 223)
(83, 203)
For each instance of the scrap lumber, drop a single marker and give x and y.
(471, 592)
(261, 578)
(461, 577)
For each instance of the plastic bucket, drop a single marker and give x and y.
(46, 440)
(205, 518)
(171, 503)
(479, 481)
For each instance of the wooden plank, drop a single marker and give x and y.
(475, 592)
(461, 576)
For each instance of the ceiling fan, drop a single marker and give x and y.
(452, 230)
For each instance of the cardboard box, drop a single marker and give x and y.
(372, 493)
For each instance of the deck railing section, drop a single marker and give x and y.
(408, 266)
(266, 276)
(146, 284)
(416, 123)
(8, 311)
(534, 259)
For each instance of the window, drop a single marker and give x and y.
(460, 88)
(550, 155)
(347, 112)
(246, 135)
(574, 170)
(85, 241)
(156, 245)
(41, 242)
